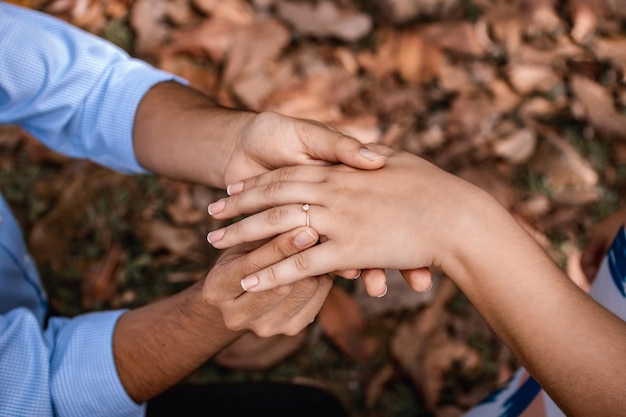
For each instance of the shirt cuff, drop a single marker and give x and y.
(85, 379)
(128, 83)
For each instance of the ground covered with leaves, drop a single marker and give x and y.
(524, 98)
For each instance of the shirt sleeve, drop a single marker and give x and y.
(66, 370)
(72, 90)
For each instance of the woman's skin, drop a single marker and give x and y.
(410, 214)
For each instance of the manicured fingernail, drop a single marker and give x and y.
(383, 294)
(304, 238)
(217, 207)
(235, 188)
(249, 282)
(357, 275)
(216, 235)
(371, 155)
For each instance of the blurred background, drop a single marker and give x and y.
(524, 98)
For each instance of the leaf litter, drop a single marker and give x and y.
(524, 98)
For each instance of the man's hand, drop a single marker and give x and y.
(157, 345)
(181, 134)
(271, 140)
(283, 310)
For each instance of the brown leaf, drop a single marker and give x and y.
(325, 19)
(403, 11)
(317, 97)
(560, 164)
(99, 281)
(529, 78)
(11, 136)
(255, 353)
(585, 16)
(158, 235)
(254, 46)
(86, 14)
(426, 352)
(212, 38)
(50, 237)
(238, 12)
(147, 18)
(416, 59)
(399, 296)
(380, 62)
(493, 182)
(200, 77)
(599, 107)
(518, 147)
(180, 204)
(376, 384)
(343, 323)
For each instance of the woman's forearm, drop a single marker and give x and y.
(573, 346)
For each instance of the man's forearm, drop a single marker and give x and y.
(181, 134)
(157, 345)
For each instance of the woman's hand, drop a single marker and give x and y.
(408, 215)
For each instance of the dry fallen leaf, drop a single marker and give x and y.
(99, 283)
(180, 205)
(343, 323)
(560, 164)
(425, 351)
(151, 29)
(11, 136)
(403, 11)
(252, 352)
(599, 107)
(158, 235)
(325, 19)
(212, 38)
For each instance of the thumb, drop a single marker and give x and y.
(325, 143)
(354, 153)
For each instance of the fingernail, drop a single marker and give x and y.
(216, 235)
(249, 282)
(304, 238)
(371, 155)
(235, 188)
(217, 207)
(383, 294)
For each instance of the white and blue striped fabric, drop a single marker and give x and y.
(78, 95)
(522, 396)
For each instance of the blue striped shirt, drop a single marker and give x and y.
(78, 95)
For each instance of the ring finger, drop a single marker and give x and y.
(266, 224)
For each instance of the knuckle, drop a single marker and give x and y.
(272, 189)
(209, 296)
(272, 275)
(264, 330)
(285, 173)
(274, 215)
(293, 330)
(282, 291)
(233, 321)
(301, 261)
